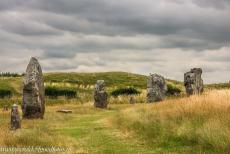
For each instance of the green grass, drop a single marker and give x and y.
(13, 84)
(86, 130)
(218, 86)
(198, 124)
(84, 80)
(83, 83)
(118, 79)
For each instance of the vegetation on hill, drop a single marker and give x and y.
(218, 86)
(55, 92)
(5, 93)
(9, 74)
(12, 84)
(82, 83)
(112, 79)
(173, 90)
(125, 91)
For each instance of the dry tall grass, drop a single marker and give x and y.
(193, 124)
(125, 99)
(34, 133)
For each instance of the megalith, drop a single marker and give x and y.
(193, 81)
(15, 118)
(33, 105)
(156, 88)
(100, 95)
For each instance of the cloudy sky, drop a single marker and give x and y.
(141, 36)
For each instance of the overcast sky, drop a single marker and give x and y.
(167, 37)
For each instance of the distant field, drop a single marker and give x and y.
(84, 83)
(112, 79)
(218, 86)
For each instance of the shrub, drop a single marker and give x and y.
(173, 90)
(125, 91)
(54, 92)
(5, 93)
(9, 74)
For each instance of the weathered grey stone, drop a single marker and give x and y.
(156, 88)
(193, 81)
(33, 105)
(15, 118)
(100, 95)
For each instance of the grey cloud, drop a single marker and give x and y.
(129, 35)
(20, 24)
(117, 18)
(220, 4)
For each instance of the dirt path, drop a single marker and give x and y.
(94, 135)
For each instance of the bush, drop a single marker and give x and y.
(125, 91)
(5, 93)
(54, 92)
(173, 90)
(9, 74)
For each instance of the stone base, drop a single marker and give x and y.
(100, 100)
(32, 112)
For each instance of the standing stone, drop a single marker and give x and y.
(33, 105)
(100, 95)
(193, 81)
(15, 118)
(156, 88)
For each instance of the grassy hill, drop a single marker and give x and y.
(84, 80)
(83, 84)
(225, 85)
(112, 79)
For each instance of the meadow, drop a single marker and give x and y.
(83, 83)
(180, 124)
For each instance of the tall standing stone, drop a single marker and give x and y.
(15, 118)
(100, 95)
(193, 82)
(156, 88)
(33, 105)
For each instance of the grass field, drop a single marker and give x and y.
(83, 83)
(198, 124)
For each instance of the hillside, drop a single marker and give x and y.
(225, 85)
(83, 81)
(112, 79)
